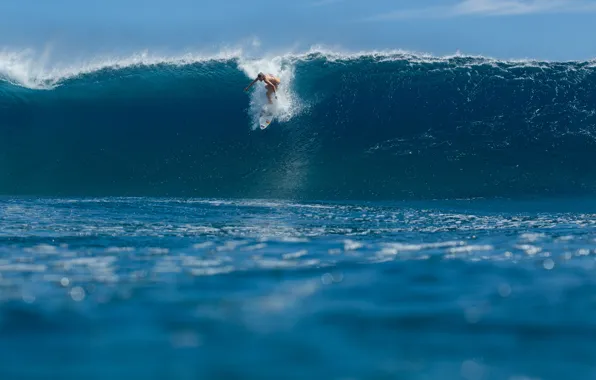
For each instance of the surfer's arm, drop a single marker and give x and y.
(250, 85)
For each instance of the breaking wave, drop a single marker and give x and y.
(390, 125)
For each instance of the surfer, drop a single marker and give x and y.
(271, 84)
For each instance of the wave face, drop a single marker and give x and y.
(362, 126)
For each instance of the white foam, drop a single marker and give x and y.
(391, 249)
(211, 271)
(350, 245)
(206, 244)
(287, 104)
(158, 251)
(119, 249)
(23, 268)
(529, 249)
(42, 249)
(470, 249)
(295, 255)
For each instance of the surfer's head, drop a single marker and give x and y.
(260, 76)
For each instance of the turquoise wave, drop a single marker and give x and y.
(362, 126)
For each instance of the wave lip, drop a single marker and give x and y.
(26, 69)
(23, 69)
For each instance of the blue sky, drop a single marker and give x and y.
(544, 29)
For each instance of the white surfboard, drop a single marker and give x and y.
(266, 116)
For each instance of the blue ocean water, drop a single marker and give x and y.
(405, 217)
(160, 288)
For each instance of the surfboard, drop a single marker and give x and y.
(266, 116)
